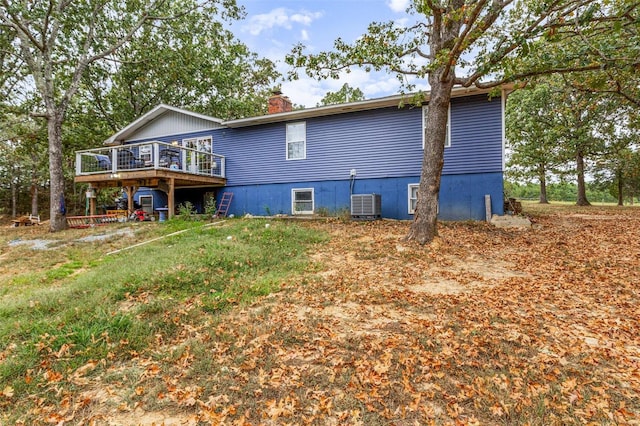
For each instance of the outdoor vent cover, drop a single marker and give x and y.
(366, 206)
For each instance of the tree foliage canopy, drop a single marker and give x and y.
(345, 94)
(190, 62)
(505, 41)
(126, 56)
(557, 129)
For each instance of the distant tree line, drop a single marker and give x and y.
(562, 191)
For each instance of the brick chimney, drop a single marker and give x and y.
(279, 103)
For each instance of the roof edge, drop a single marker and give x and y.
(368, 104)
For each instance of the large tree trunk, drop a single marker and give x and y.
(543, 187)
(58, 220)
(424, 226)
(582, 189)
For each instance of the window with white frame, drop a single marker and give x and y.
(198, 158)
(296, 141)
(412, 194)
(204, 144)
(413, 197)
(302, 201)
(447, 140)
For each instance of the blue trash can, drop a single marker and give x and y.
(162, 214)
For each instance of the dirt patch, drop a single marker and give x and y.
(50, 244)
(450, 275)
(598, 216)
(466, 275)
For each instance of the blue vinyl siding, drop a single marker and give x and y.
(461, 198)
(378, 144)
(383, 145)
(476, 136)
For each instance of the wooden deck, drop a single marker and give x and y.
(154, 178)
(152, 164)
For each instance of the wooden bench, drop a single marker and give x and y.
(26, 220)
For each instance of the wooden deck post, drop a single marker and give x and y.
(171, 197)
(131, 191)
(92, 206)
(91, 197)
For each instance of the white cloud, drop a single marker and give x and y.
(259, 23)
(304, 35)
(401, 22)
(305, 91)
(308, 92)
(398, 5)
(305, 18)
(279, 18)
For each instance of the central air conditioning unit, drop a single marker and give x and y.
(366, 206)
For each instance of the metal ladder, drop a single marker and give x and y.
(225, 202)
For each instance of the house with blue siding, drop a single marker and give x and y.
(301, 162)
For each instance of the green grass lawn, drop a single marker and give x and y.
(567, 207)
(62, 309)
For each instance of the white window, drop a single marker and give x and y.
(447, 140)
(413, 197)
(204, 144)
(302, 201)
(198, 158)
(296, 141)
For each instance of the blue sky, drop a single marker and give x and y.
(271, 28)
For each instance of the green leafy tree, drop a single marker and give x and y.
(23, 163)
(583, 124)
(552, 124)
(631, 176)
(56, 41)
(345, 94)
(191, 62)
(615, 46)
(532, 142)
(618, 169)
(461, 42)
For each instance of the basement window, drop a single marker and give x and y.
(302, 201)
(412, 193)
(413, 197)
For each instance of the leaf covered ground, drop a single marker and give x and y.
(484, 326)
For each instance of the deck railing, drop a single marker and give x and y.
(149, 156)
